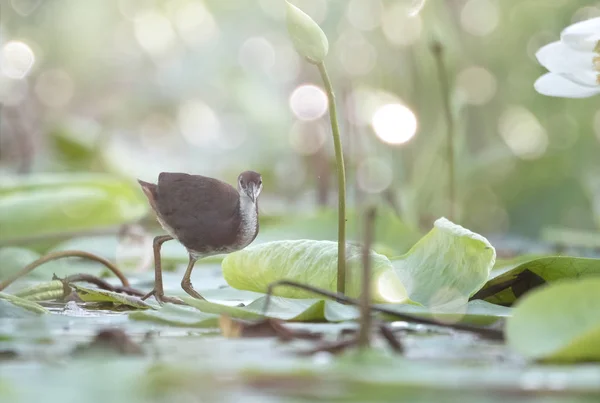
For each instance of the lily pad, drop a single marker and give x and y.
(505, 285)
(174, 315)
(20, 303)
(47, 291)
(309, 262)
(447, 266)
(559, 322)
(47, 204)
(290, 309)
(96, 295)
(475, 312)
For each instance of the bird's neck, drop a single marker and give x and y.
(249, 219)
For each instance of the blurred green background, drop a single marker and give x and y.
(215, 87)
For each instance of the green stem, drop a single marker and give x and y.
(438, 51)
(339, 157)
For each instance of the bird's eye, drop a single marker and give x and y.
(260, 182)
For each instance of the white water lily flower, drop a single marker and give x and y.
(573, 62)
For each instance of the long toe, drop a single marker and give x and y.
(190, 290)
(172, 300)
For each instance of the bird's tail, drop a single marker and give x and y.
(150, 190)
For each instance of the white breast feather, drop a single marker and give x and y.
(249, 220)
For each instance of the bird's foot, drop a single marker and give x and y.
(190, 290)
(162, 298)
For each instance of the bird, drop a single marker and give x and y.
(206, 215)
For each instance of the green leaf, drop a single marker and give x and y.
(174, 315)
(47, 291)
(477, 312)
(548, 269)
(559, 322)
(96, 295)
(289, 309)
(21, 303)
(308, 38)
(47, 204)
(447, 266)
(309, 262)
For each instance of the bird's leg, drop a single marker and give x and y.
(158, 290)
(186, 282)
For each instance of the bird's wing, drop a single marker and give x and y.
(193, 203)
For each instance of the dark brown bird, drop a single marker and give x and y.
(206, 215)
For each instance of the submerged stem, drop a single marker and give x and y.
(487, 333)
(341, 174)
(438, 52)
(364, 334)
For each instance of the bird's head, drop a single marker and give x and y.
(250, 184)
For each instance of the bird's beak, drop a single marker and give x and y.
(252, 192)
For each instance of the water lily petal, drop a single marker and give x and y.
(577, 65)
(583, 35)
(555, 85)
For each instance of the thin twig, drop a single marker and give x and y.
(102, 284)
(341, 172)
(438, 52)
(364, 334)
(487, 333)
(60, 255)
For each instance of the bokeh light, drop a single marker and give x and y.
(287, 64)
(400, 28)
(194, 23)
(153, 32)
(273, 8)
(257, 54)
(198, 123)
(308, 102)
(12, 92)
(586, 13)
(307, 138)
(374, 175)
(157, 130)
(25, 7)
(234, 132)
(54, 88)
(480, 17)
(477, 85)
(364, 14)
(355, 54)
(522, 133)
(394, 123)
(16, 59)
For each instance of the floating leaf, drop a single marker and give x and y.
(96, 295)
(21, 303)
(290, 309)
(447, 266)
(308, 38)
(175, 315)
(47, 291)
(506, 284)
(309, 262)
(475, 312)
(559, 322)
(46, 204)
